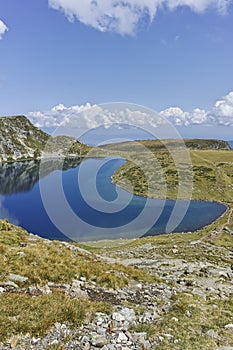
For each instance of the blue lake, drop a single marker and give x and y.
(90, 207)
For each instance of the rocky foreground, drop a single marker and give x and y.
(166, 292)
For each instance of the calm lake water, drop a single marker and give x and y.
(109, 213)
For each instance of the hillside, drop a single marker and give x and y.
(165, 292)
(150, 165)
(20, 140)
(201, 144)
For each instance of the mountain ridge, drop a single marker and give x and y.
(21, 140)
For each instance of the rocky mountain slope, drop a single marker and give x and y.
(165, 292)
(20, 140)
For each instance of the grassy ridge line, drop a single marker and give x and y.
(210, 172)
(203, 144)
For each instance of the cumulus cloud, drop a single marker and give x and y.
(176, 115)
(220, 114)
(85, 117)
(91, 116)
(223, 111)
(3, 29)
(124, 17)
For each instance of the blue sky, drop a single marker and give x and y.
(159, 57)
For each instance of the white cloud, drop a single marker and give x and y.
(3, 29)
(124, 16)
(90, 116)
(220, 114)
(200, 5)
(176, 116)
(223, 111)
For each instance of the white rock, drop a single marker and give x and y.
(195, 242)
(128, 314)
(228, 326)
(212, 334)
(118, 317)
(99, 341)
(122, 337)
(169, 336)
(77, 284)
(17, 278)
(11, 284)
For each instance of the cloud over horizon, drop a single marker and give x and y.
(3, 29)
(124, 17)
(90, 116)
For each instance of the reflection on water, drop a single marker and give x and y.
(21, 176)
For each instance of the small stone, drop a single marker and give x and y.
(199, 293)
(54, 342)
(140, 336)
(20, 253)
(160, 338)
(100, 321)
(13, 318)
(45, 290)
(17, 278)
(118, 317)
(228, 326)
(128, 314)
(109, 347)
(195, 242)
(84, 339)
(225, 274)
(212, 334)
(169, 336)
(14, 342)
(77, 284)
(11, 284)
(99, 341)
(101, 330)
(2, 290)
(122, 337)
(86, 346)
(34, 340)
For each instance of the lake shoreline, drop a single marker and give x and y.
(147, 229)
